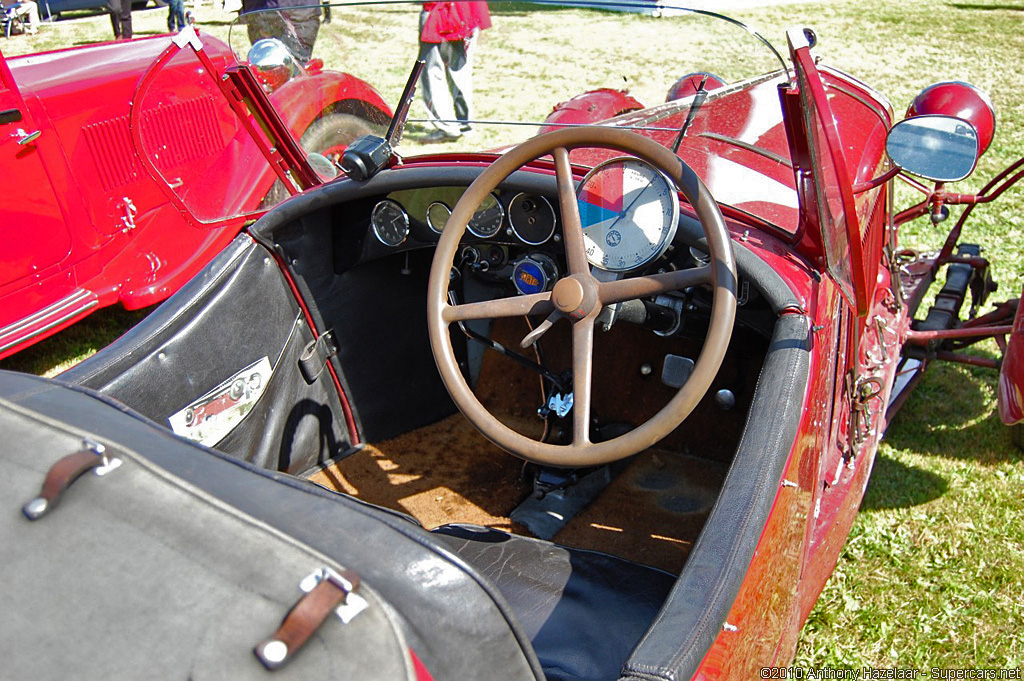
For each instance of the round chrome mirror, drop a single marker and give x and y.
(939, 148)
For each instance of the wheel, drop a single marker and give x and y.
(329, 135)
(579, 297)
(1017, 435)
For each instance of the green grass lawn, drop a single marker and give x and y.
(932, 573)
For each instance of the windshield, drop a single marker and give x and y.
(498, 73)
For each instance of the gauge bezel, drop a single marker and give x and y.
(512, 224)
(429, 222)
(376, 225)
(501, 220)
(667, 235)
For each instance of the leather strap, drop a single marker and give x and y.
(315, 355)
(58, 479)
(305, 617)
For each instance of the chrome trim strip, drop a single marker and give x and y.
(57, 313)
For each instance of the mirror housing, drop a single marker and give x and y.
(935, 147)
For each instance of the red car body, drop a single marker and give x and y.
(830, 341)
(85, 226)
(828, 468)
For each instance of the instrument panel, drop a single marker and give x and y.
(523, 217)
(629, 212)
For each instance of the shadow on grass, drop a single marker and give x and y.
(896, 485)
(952, 414)
(94, 332)
(80, 14)
(973, 7)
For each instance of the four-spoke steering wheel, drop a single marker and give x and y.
(579, 297)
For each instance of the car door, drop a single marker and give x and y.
(34, 234)
(845, 136)
(844, 139)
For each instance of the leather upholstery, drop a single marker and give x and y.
(584, 611)
(439, 602)
(238, 311)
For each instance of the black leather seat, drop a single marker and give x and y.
(584, 611)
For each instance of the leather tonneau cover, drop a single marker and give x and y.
(138, 574)
(454, 619)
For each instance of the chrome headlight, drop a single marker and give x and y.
(273, 61)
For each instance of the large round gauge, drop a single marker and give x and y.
(437, 216)
(390, 222)
(629, 211)
(488, 217)
(532, 218)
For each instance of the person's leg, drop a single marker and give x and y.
(302, 27)
(124, 14)
(32, 11)
(178, 10)
(126, 19)
(460, 79)
(436, 95)
(264, 25)
(114, 7)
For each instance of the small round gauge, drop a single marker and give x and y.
(629, 211)
(437, 216)
(488, 217)
(532, 218)
(390, 222)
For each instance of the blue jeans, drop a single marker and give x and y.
(175, 15)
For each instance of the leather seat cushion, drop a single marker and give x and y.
(584, 611)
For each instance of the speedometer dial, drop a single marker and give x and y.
(629, 211)
(488, 217)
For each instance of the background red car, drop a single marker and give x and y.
(85, 227)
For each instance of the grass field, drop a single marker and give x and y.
(933, 573)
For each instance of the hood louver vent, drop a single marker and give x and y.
(180, 133)
(174, 134)
(112, 152)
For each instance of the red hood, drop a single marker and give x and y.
(80, 79)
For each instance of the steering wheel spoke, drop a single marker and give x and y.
(582, 379)
(572, 225)
(640, 287)
(516, 306)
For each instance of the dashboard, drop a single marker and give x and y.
(629, 212)
(513, 236)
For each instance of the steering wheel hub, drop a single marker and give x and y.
(573, 297)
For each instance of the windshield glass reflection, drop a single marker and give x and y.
(512, 70)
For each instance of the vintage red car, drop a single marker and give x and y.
(598, 403)
(85, 226)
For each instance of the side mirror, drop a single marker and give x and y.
(939, 148)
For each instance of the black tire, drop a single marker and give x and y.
(326, 135)
(1017, 435)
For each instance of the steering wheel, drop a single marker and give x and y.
(579, 297)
